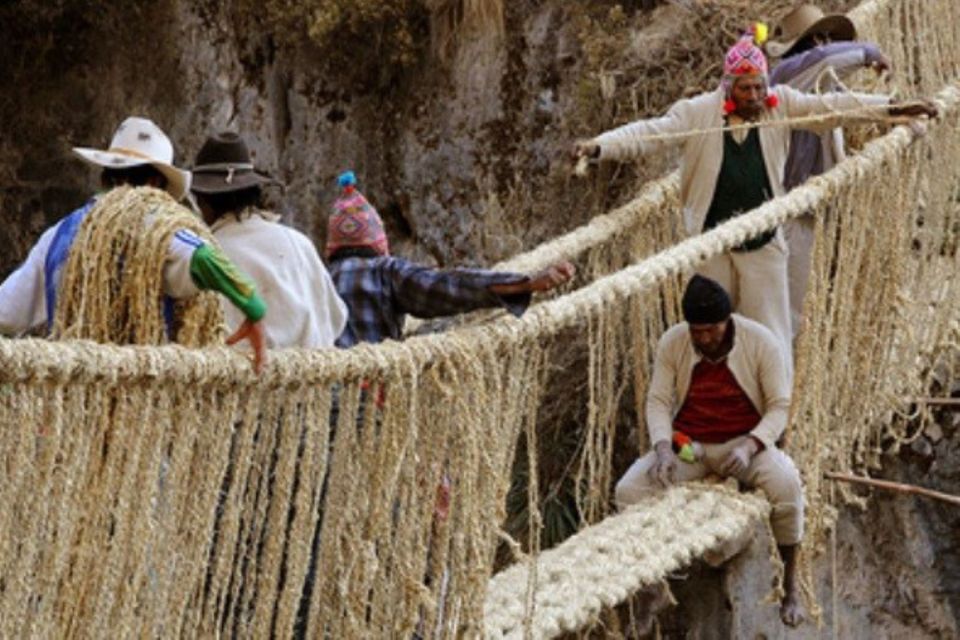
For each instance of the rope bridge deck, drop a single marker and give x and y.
(602, 565)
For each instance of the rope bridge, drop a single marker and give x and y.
(167, 491)
(603, 565)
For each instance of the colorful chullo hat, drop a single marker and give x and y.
(354, 222)
(746, 57)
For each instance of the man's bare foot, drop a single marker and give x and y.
(791, 610)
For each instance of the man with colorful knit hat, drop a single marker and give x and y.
(380, 289)
(721, 383)
(728, 172)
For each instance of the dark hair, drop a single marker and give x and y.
(802, 45)
(230, 201)
(353, 252)
(134, 176)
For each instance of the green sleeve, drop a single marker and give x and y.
(211, 270)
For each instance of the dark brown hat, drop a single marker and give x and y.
(224, 165)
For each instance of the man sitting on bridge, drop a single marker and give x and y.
(720, 380)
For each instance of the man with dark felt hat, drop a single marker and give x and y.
(720, 382)
(305, 310)
(817, 53)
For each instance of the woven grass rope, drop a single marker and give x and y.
(167, 491)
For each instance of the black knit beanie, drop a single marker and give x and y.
(705, 301)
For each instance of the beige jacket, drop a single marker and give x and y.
(755, 360)
(703, 153)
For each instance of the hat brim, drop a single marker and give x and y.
(840, 28)
(217, 182)
(178, 180)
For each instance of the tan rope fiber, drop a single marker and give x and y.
(118, 255)
(165, 491)
(604, 564)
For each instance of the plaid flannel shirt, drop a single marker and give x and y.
(381, 291)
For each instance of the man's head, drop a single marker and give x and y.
(745, 75)
(806, 27)
(140, 154)
(224, 180)
(355, 225)
(707, 309)
(749, 96)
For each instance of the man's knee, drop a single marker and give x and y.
(780, 481)
(778, 477)
(634, 485)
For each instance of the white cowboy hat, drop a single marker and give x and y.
(804, 21)
(137, 142)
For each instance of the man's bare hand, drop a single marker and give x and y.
(584, 149)
(914, 110)
(739, 457)
(553, 276)
(664, 470)
(253, 332)
(881, 65)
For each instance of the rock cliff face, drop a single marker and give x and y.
(446, 146)
(454, 113)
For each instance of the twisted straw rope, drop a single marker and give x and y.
(165, 491)
(603, 565)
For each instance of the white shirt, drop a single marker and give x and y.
(303, 308)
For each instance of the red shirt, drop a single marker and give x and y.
(716, 408)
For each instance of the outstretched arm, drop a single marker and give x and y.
(835, 107)
(551, 277)
(802, 71)
(637, 138)
(432, 293)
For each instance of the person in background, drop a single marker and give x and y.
(305, 308)
(817, 53)
(380, 289)
(726, 172)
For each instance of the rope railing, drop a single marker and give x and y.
(169, 491)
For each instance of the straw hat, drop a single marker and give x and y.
(807, 20)
(137, 142)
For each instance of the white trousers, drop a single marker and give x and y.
(799, 233)
(770, 470)
(757, 284)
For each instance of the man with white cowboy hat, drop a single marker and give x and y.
(140, 154)
(817, 53)
(305, 308)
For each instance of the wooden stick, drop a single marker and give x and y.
(894, 486)
(943, 402)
